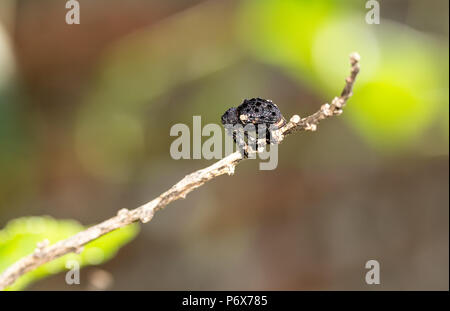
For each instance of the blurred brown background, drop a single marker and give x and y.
(85, 114)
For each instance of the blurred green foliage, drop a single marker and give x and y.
(403, 85)
(221, 52)
(20, 236)
(401, 92)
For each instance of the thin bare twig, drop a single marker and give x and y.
(45, 253)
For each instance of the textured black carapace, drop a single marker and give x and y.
(254, 111)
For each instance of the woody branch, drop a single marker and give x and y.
(45, 253)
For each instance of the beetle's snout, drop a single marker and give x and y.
(230, 116)
(224, 118)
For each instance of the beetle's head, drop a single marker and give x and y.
(230, 117)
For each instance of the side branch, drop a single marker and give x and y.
(45, 253)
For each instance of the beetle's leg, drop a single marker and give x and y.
(245, 145)
(268, 134)
(240, 142)
(265, 135)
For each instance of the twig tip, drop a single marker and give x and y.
(354, 57)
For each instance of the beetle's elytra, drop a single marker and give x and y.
(254, 111)
(257, 112)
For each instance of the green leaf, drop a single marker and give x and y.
(20, 236)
